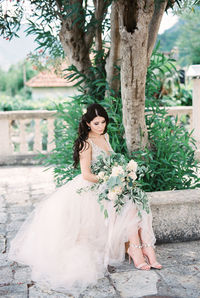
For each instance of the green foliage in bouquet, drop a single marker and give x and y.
(117, 183)
(168, 163)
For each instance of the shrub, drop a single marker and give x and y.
(12, 81)
(66, 127)
(168, 163)
(68, 117)
(163, 82)
(181, 96)
(21, 102)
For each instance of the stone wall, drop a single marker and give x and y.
(176, 215)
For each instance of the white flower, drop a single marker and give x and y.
(122, 179)
(111, 195)
(101, 175)
(116, 171)
(105, 178)
(132, 175)
(132, 166)
(117, 190)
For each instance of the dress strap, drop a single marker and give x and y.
(106, 137)
(89, 141)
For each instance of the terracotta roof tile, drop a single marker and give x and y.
(49, 79)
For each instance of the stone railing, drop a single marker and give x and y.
(176, 214)
(25, 133)
(181, 113)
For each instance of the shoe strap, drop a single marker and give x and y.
(135, 246)
(142, 265)
(148, 245)
(155, 264)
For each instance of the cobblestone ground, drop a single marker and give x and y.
(21, 188)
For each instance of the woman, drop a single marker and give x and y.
(66, 240)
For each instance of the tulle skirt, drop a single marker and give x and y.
(67, 241)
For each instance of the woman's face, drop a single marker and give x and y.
(97, 125)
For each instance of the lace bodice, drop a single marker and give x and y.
(96, 150)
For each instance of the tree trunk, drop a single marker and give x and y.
(134, 24)
(134, 27)
(75, 46)
(75, 40)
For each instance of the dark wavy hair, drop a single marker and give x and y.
(93, 111)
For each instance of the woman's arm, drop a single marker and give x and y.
(85, 163)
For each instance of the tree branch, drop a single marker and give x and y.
(72, 36)
(101, 7)
(99, 15)
(89, 35)
(113, 59)
(59, 5)
(154, 25)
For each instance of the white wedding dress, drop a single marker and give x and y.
(68, 243)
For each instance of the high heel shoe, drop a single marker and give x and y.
(154, 264)
(130, 252)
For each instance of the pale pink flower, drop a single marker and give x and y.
(132, 175)
(132, 166)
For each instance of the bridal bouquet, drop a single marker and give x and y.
(117, 182)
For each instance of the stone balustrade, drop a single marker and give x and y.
(180, 113)
(25, 133)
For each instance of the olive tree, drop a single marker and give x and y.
(73, 27)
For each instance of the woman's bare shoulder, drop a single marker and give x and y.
(86, 147)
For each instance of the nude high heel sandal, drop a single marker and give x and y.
(154, 265)
(130, 251)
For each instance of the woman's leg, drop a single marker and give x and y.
(135, 252)
(148, 250)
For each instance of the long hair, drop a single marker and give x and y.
(93, 111)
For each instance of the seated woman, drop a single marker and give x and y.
(65, 239)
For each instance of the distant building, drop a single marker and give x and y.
(49, 84)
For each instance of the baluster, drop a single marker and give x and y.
(22, 136)
(178, 115)
(11, 137)
(10, 145)
(191, 121)
(50, 128)
(38, 137)
(5, 148)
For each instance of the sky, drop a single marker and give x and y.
(168, 21)
(17, 49)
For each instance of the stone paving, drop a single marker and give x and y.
(21, 188)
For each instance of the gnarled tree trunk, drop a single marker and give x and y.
(76, 46)
(134, 24)
(136, 18)
(75, 40)
(134, 28)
